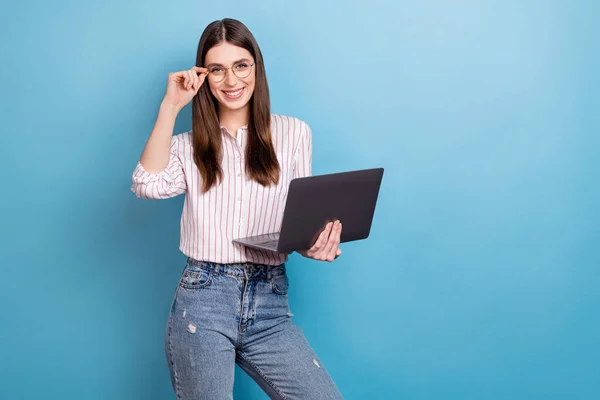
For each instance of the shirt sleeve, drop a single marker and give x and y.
(167, 183)
(303, 154)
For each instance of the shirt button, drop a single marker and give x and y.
(239, 198)
(239, 174)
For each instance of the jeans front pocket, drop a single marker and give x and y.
(195, 278)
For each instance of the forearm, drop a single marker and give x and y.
(155, 156)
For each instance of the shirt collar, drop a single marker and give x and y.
(244, 127)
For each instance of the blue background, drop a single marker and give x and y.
(481, 276)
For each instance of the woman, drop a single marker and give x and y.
(231, 303)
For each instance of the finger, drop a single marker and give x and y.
(195, 80)
(333, 253)
(202, 77)
(321, 239)
(335, 235)
(192, 79)
(203, 71)
(177, 75)
(324, 236)
(316, 251)
(330, 246)
(183, 78)
(189, 81)
(319, 243)
(336, 242)
(329, 249)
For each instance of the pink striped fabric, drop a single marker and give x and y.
(237, 207)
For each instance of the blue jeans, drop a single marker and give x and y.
(223, 314)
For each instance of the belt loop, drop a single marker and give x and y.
(269, 273)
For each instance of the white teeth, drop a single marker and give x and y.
(236, 93)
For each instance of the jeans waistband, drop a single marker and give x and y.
(242, 270)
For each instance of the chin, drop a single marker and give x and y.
(234, 107)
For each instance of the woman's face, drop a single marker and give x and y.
(232, 91)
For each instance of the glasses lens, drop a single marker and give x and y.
(216, 74)
(242, 70)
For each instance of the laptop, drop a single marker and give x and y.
(313, 201)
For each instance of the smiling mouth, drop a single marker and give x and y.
(233, 94)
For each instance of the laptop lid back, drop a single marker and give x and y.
(313, 201)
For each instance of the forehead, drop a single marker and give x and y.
(226, 54)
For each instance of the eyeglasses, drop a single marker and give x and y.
(241, 69)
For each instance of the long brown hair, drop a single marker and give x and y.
(261, 160)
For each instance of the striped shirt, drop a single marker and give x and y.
(236, 207)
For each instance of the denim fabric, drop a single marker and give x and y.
(224, 314)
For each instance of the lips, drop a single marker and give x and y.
(233, 94)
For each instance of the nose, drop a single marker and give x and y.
(230, 78)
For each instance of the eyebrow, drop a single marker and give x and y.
(221, 65)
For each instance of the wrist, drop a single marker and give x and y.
(169, 108)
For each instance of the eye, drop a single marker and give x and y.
(216, 69)
(242, 66)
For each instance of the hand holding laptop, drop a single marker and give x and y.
(326, 248)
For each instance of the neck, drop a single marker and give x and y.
(234, 119)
